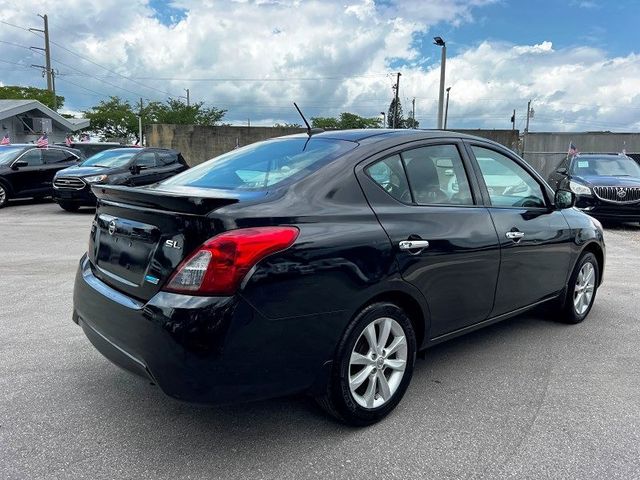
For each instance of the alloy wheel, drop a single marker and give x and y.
(584, 288)
(3, 195)
(377, 364)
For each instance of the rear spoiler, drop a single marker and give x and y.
(192, 201)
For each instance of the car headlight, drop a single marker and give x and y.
(579, 189)
(95, 179)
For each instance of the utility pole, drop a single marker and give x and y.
(413, 112)
(395, 110)
(526, 129)
(140, 124)
(187, 90)
(51, 86)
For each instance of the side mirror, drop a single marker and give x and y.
(135, 169)
(19, 163)
(562, 171)
(564, 199)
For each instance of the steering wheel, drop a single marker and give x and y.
(528, 202)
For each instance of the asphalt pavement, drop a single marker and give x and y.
(527, 398)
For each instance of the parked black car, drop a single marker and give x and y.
(27, 170)
(89, 149)
(607, 186)
(122, 166)
(322, 264)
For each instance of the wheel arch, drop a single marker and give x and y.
(596, 249)
(410, 305)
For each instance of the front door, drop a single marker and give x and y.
(534, 237)
(30, 179)
(443, 238)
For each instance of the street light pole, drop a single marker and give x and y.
(384, 119)
(446, 109)
(441, 43)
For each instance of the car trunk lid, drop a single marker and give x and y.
(140, 235)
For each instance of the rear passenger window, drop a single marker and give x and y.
(389, 174)
(167, 158)
(57, 156)
(437, 176)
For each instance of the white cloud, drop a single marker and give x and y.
(353, 47)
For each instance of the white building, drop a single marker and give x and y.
(26, 120)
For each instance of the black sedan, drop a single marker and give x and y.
(607, 186)
(121, 166)
(324, 263)
(27, 171)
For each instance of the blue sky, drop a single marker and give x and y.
(577, 60)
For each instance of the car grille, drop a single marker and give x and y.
(69, 183)
(618, 194)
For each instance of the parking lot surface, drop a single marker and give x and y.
(527, 398)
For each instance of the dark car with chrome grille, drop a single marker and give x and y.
(607, 186)
(130, 166)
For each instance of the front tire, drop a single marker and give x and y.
(583, 286)
(373, 366)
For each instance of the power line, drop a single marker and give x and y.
(90, 61)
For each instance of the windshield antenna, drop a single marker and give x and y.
(310, 131)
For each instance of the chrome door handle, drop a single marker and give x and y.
(413, 244)
(515, 236)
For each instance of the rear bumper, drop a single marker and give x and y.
(84, 197)
(200, 349)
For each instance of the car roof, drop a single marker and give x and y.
(600, 155)
(358, 135)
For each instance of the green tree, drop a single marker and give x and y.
(328, 123)
(411, 123)
(176, 112)
(346, 121)
(14, 92)
(399, 123)
(287, 125)
(113, 118)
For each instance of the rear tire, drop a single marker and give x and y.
(583, 286)
(4, 195)
(368, 381)
(69, 207)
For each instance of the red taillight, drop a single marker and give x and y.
(220, 264)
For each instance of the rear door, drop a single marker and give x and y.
(56, 159)
(534, 237)
(168, 164)
(443, 237)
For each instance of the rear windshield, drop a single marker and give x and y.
(116, 157)
(263, 164)
(620, 166)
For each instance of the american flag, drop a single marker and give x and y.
(573, 150)
(43, 141)
(68, 141)
(5, 140)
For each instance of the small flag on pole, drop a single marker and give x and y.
(43, 141)
(624, 148)
(68, 141)
(573, 150)
(5, 140)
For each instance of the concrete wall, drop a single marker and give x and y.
(545, 150)
(508, 138)
(198, 144)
